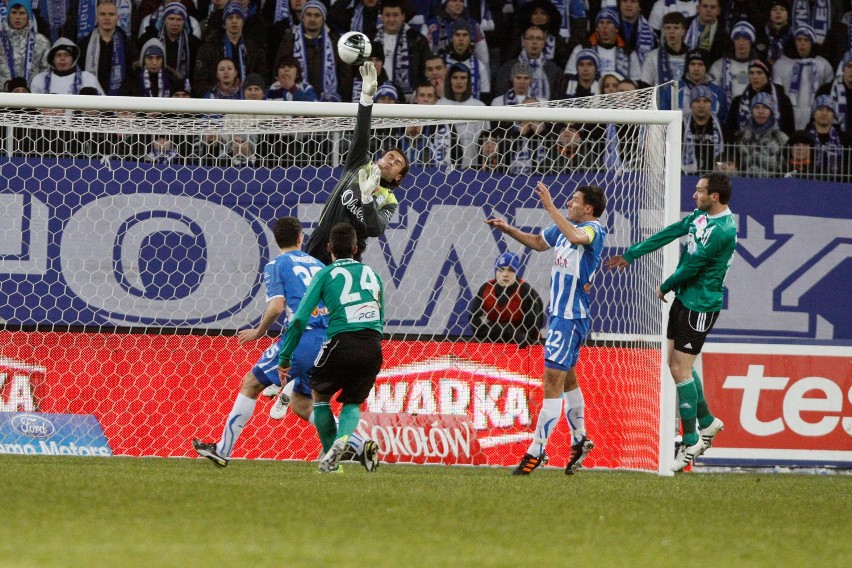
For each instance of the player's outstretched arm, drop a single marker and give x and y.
(535, 242)
(574, 235)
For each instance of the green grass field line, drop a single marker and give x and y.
(64, 511)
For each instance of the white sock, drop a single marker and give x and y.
(575, 409)
(288, 388)
(237, 419)
(356, 442)
(547, 420)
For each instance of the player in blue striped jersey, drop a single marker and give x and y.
(578, 243)
(286, 279)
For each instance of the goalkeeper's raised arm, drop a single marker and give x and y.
(363, 197)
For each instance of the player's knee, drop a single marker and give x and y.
(251, 386)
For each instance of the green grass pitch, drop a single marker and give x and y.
(64, 511)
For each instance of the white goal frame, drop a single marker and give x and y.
(671, 119)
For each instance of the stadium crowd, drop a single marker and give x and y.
(764, 85)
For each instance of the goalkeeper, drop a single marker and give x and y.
(364, 195)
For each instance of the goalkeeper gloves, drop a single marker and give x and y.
(368, 180)
(369, 83)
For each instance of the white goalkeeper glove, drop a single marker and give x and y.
(369, 83)
(368, 181)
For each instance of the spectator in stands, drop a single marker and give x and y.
(173, 28)
(246, 53)
(735, 11)
(436, 73)
(759, 82)
(520, 87)
(585, 82)
(84, 23)
(492, 158)
(667, 62)
(161, 150)
(255, 25)
(150, 77)
(546, 75)
(840, 90)
(290, 85)
(638, 35)
(108, 52)
(228, 84)
(802, 74)
(283, 15)
(17, 85)
(703, 140)
(800, 160)
(731, 72)
(544, 14)
(54, 14)
(695, 75)
(762, 145)
(816, 14)
(611, 50)
(355, 15)
(662, 7)
(506, 309)
(830, 144)
(152, 24)
(350, 81)
(315, 47)
(706, 32)
(405, 48)
(439, 29)
(456, 144)
(417, 141)
(24, 50)
(608, 83)
(777, 35)
(460, 50)
(63, 76)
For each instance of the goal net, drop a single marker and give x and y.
(135, 232)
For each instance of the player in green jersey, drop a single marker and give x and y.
(351, 357)
(698, 284)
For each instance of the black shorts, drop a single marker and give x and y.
(349, 363)
(689, 329)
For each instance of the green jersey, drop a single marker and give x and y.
(699, 280)
(353, 294)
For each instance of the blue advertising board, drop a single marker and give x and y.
(52, 434)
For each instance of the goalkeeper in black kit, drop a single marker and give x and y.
(364, 195)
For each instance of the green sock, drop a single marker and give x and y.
(350, 415)
(688, 398)
(702, 410)
(326, 427)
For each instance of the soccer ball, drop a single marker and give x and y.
(354, 48)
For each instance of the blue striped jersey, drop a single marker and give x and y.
(288, 276)
(573, 268)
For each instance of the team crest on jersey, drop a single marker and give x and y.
(691, 247)
(700, 226)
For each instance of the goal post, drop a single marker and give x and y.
(137, 230)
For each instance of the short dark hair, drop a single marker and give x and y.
(343, 240)
(719, 183)
(287, 231)
(393, 4)
(593, 195)
(289, 61)
(675, 18)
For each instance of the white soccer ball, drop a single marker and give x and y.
(354, 48)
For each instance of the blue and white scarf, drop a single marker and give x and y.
(86, 17)
(10, 54)
(665, 71)
(522, 162)
(441, 145)
(329, 67)
(182, 58)
(75, 86)
(240, 57)
(777, 41)
(827, 155)
(402, 72)
(646, 39)
(690, 159)
(819, 19)
(357, 23)
(484, 18)
(569, 9)
(510, 98)
(797, 76)
(611, 157)
(118, 66)
(163, 87)
(838, 94)
(539, 85)
(54, 11)
(282, 11)
(695, 38)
